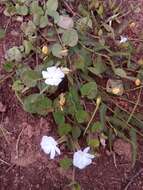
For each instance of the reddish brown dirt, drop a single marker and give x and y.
(28, 168)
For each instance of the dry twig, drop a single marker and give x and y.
(132, 179)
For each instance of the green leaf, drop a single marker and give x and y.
(100, 10)
(29, 28)
(133, 136)
(28, 47)
(97, 70)
(89, 90)
(30, 78)
(74, 185)
(43, 21)
(56, 50)
(82, 59)
(8, 66)
(76, 132)
(94, 143)
(36, 9)
(21, 10)
(120, 72)
(81, 116)
(64, 129)
(13, 54)
(102, 112)
(70, 37)
(97, 127)
(59, 118)
(73, 102)
(37, 103)
(99, 67)
(52, 5)
(17, 85)
(2, 33)
(84, 22)
(80, 63)
(66, 163)
(55, 15)
(140, 74)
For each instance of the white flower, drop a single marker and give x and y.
(49, 146)
(81, 159)
(53, 76)
(123, 39)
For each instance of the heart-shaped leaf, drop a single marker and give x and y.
(70, 38)
(37, 103)
(89, 90)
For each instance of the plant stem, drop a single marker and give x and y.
(90, 121)
(44, 89)
(18, 97)
(132, 113)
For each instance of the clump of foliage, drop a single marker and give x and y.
(86, 43)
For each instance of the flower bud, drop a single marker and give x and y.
(45, 50)
(98, 100)
(116, 90)
(137, 82)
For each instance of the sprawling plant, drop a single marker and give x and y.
(73, 65)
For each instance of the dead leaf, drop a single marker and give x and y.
(115, 87)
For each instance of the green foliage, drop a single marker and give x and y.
(76, 132)
(99, 67)
(21, 10)
(37, 103)
(64, 129)
(30, 78)
(133, 136)
(81, 116)
(89, 90)
(8, 66)
(120, 72)
(97, 127)
(102, 111)
(94, 66)
(70, 37)
(66, 163)
(94, 143)
(14, 54)
(56, 50)
(2, 33)
(28, 47)
(17, 85)
(52, 5)
(59, 117)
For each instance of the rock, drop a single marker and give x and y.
(123, 148)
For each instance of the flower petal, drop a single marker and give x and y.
(53, 82)
(123, 39)
(57, 150)
(53, 153)
(59, 73)
(86, 149)
(91, 156)
(81, 159)
(45, 74)
(51, 69)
